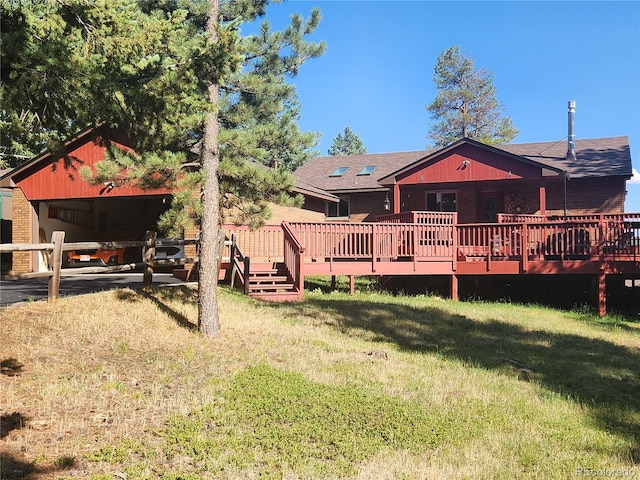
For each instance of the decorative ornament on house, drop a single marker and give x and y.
(518, 206)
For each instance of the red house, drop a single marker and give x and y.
(478, 181)
(456, 214)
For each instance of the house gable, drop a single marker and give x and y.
(467, 163)
(47, 177)
(467, 160)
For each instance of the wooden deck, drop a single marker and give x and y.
(432, 243)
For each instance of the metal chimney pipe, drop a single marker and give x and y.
(571, 151)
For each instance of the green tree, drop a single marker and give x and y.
(200, 103)
(466, 104)
(347, 143)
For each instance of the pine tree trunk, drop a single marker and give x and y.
(210, 245)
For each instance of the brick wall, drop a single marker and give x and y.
(365, 207)
(588, 196)
(466, 205)
(23, 227)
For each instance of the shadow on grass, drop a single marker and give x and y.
(181, 294)
(12, 468)
(10, 422)
(603, 376)
(11, 367)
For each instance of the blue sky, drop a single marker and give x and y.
(377, 73)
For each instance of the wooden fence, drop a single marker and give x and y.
(54, 251)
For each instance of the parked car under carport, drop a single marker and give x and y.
(122, 255)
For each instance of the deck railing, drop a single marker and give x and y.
(437, 238)
(597, 217)
(375, 241)
(263, 245)
(432, 218)
(294, 259)
(571, 240)
(520, 218)
(498, 240)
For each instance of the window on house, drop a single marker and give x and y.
(338, 210)
(368, 170)
(441, 201)
(340, 171)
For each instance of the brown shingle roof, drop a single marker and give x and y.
(594, 158)
(317, 171)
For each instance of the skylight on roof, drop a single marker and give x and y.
(340, 171)
(368, 170)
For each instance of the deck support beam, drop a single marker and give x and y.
(601, 292)
(397, 208)
(543, 196)
(454, 287)
(352, 285)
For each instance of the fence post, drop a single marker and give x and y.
(149, 258)
(54, 280)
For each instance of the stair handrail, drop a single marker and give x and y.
(294, 258)
(239, 264)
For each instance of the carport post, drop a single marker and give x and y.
(54, 280)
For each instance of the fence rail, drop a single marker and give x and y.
(54, 252)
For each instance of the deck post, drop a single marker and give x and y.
(397, 208)
(601, 292)
(454, 287)
(524, 247)
(375, 240)
(333, 282)
(352, 285)
(542, 194)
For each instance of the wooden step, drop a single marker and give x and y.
(266, 272)
(270, 282)
(269, 279)
(271, 287)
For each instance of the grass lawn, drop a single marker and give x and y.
(120, 385)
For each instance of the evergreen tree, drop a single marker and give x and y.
(466, 104)
(348, 143)
(210, 245)
(162, 73)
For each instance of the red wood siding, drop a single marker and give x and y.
(49, 179)
(483, 165)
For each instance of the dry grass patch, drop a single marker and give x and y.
(120, 383)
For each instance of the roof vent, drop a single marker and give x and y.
(571, 151)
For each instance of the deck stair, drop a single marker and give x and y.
(270, 281)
